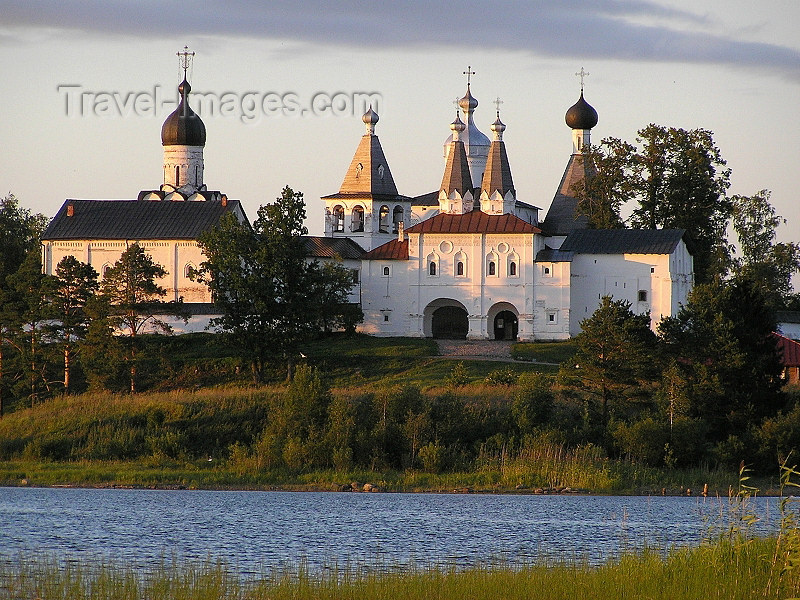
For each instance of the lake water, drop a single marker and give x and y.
(258, 531)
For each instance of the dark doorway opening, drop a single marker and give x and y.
(505, 326)
(450, 323)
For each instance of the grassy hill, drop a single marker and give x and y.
(385, 411)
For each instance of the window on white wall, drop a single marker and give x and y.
(188, 270)
(386, 271)
(460, 268)
(357, 219)
(383, 219)
(491, 265)
(338, 218)
(642, 295)
(552, 317)
(547, 271)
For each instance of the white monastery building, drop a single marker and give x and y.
(468, 260)
(472, 260)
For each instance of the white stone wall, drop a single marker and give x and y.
(187, 163)
(552, 301)
(658, 283)
(385, 299)
(174, 255)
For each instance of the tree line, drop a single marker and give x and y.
(674, 178)
(73, 330)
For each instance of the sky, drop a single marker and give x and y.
(87, 85)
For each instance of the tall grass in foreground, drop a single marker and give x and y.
(724, 570)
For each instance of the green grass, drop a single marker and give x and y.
(741, 570)
(546, 352)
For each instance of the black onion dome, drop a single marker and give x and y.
(183, 127)
(581, 115)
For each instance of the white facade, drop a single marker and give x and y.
(454, 272)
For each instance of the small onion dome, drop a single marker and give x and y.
(498, 126)
(370, 117)
(457, 126)
(183, 127)
(581, 115)
(468, 103)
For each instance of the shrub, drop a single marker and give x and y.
(502, 376)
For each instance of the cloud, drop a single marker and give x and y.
(637, 30)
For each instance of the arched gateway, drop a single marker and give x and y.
(450, 323)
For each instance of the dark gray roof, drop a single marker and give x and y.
(563, 216)
(137, 219)
(788, 316)
(429, 199)
(551, 255)
(328, 247)
(623, 241)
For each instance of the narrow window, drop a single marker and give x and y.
(354, 274)
(547, 270)
(460, 268)
(177, 175)
(383, 219)
(652, 269)
(492, 268)
(338, 218)
(512, 269)
(357, 219)
(642, 295)
(386, 318)
(385, 271)
(432, 269)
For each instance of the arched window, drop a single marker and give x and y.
(104, 269)
(338, 218)
(177, 176)
(385, 271)
(188, 270)
(460, 264)
(397, 217)
(383, 219)
(513, 263)
(433, 264)
(491, 264)
(357, 220)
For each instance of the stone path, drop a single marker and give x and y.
(499, 350)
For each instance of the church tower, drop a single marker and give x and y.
(476, 144)
(456, 194)
(563, 216)
(498, 196)
(183, 137)
(367, 207)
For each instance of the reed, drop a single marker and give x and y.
(721, 570)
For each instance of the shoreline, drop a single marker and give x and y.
(348, 489)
